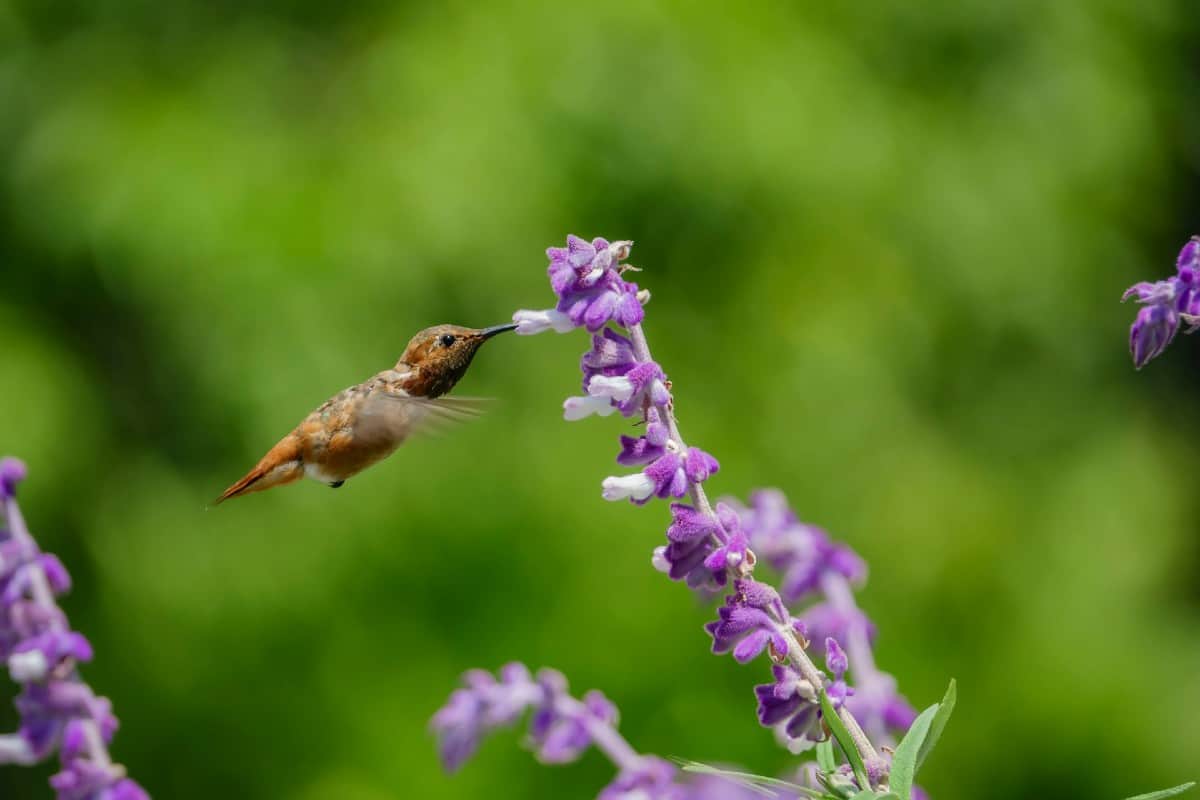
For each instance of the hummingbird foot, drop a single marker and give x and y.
(336, 484)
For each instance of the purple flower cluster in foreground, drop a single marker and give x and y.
(58, 710)
(714, 548)
(817, 576)
(560, 729)
(1164, 305)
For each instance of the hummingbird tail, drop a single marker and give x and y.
(281, 465)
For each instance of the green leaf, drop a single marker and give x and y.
(748, 780)
(830, 715)
(945, 709)
(904, 762)
(889, 796)
(865, 794)
(825, 759)
(1160, 794)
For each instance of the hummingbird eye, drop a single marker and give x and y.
(446, 339)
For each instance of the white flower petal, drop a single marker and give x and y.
(575, 408)
(637, 486)
(15, 750)
(28, 666)
(531, 322)
(659, 559)
(619, 388)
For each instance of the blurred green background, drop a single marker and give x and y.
(886, 243)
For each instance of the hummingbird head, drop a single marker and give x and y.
(438, 357)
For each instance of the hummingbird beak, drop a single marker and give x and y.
(488, 333)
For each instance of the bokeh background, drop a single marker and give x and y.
(886, 245)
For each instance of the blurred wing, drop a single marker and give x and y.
(396, 417)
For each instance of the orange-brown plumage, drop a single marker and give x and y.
(365, 423)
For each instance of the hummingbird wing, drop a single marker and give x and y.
(396, 416)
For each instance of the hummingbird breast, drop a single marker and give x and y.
(354, 429)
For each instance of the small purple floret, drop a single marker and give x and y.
(790, 706)
(1165, 304)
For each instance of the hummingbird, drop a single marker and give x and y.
(364, 424)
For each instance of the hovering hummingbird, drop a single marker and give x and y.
(366, 423)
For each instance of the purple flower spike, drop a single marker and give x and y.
(58, 710)
(710, 547)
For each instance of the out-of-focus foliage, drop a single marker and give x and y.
(885, 244)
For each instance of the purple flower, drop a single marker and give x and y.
(1187, 264)
(611, 354)
(880, 708)
(752, 618)
(586, 276)
(801, 553)
(645, 448)
(12, 472)
(38, 655)
(1156, 323)
(825, 620)
(684, 561)
(790, 706)
(636, 390)
(639, 389)
(835, 660)
(560, 727)
(58, 710)
(480, 707)
(561, 733)
(651, 779)
(734, 552)
(612, 301)
(668, 475)
(691, 538)
(1165, 303)
(689, 524)
(813, 566)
